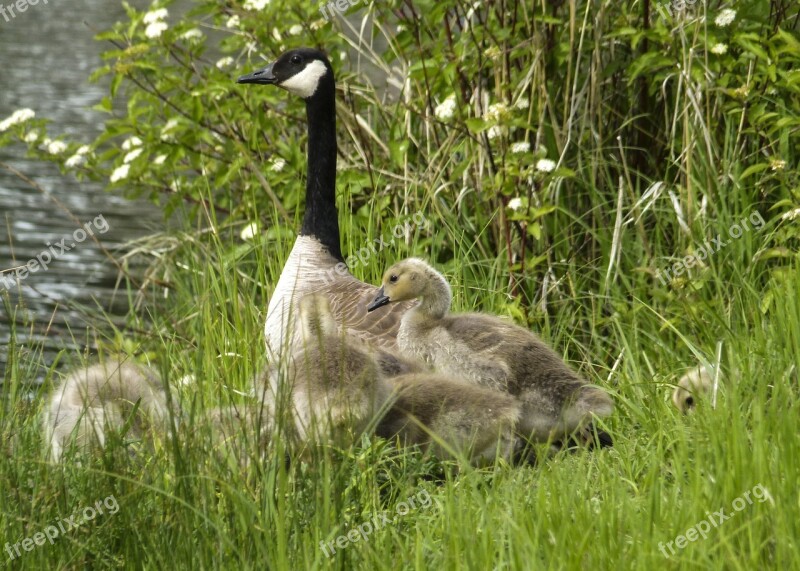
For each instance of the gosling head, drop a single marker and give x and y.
(692, 387)
(406, 280)
(316, 318)
(301, 71)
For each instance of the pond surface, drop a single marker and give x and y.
(47, 55)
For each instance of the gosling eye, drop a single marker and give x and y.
(393, 279)
(296, 60)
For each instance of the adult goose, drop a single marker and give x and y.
(490, 352)
(316, 264)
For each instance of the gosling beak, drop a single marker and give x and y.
(380, 300)
(263, 76)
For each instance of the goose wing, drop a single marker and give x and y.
(349, 300)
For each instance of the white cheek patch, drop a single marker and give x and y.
(306, 82)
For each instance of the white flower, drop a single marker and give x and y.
(522, 103)
(515, 204)
(791, 215)
(31, 137)
(193, 34)
(496, 112)
(155, 30)
(225, 62)
(233, 22)
(255, 4)
(777, 164)
(249, 231)
(120, 173)
(446, 109)
(521, 147)
(719, 49)
(545, 165)
(75, 160)
(156, 16)
(17, 117)
(296, 30)
(166, 131)
(130, 143)
(133, 155)
(725, 17)
(496, 131)
(83, 150)
(159, 160)
(278, 164)
(56, 147)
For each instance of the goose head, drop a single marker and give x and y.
(405, 280)
(300, 71)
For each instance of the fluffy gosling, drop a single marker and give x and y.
(696, 384)
(490, 352)
(338, 387)
(451, 416)
(92, 400)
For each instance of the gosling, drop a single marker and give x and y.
(490, 352)
(692, 387)
(338, 387)
(451, 416)
(93, 400)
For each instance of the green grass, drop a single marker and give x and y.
(184, 505)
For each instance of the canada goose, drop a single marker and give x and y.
(100, 397)
(316, 264)
(470, 419)
(491, 352)
(692, 387)
(337, 385)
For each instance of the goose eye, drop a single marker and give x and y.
(296, 60)
(393, 279)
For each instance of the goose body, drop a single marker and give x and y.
(101, 397)
(490, 352)
(315, 264)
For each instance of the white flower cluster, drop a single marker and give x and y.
(131, 142)
(120, 173)
(192, 35)
(155, 23)
(545, 165)
(17, 117)
(496, 112)
(78, 158)
(520, 147)
(256, 4)
(222, 63)
(725, 18)
(446, 109)
(719, 49)
(277, 164)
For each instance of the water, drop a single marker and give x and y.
(48, 53)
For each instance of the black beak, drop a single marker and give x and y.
(379, 301)
(263, 76)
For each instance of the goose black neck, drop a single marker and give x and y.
(321, 219)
